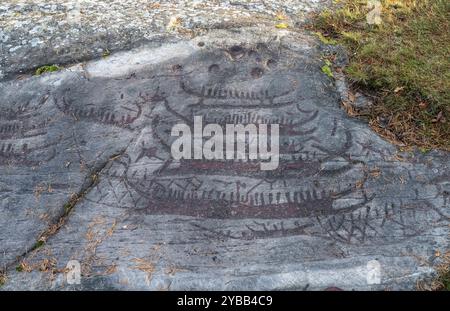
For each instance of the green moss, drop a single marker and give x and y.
(67, 207)
(106, 53)
(327, 70)
(424, 150)
(19, 268)
(47, 68)
(351, 37)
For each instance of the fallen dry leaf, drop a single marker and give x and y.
(438, 117)
(174, 22)
(423, 105)
(351, 97)
(399, 89)
(282, 26)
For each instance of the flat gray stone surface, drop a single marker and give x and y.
(341, 202)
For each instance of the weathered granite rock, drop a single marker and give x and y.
(343, 200)
(40, 32)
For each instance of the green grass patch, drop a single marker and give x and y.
(46, 69)
(404, 61)
(445, 279)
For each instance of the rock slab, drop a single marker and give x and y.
(342, 202)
